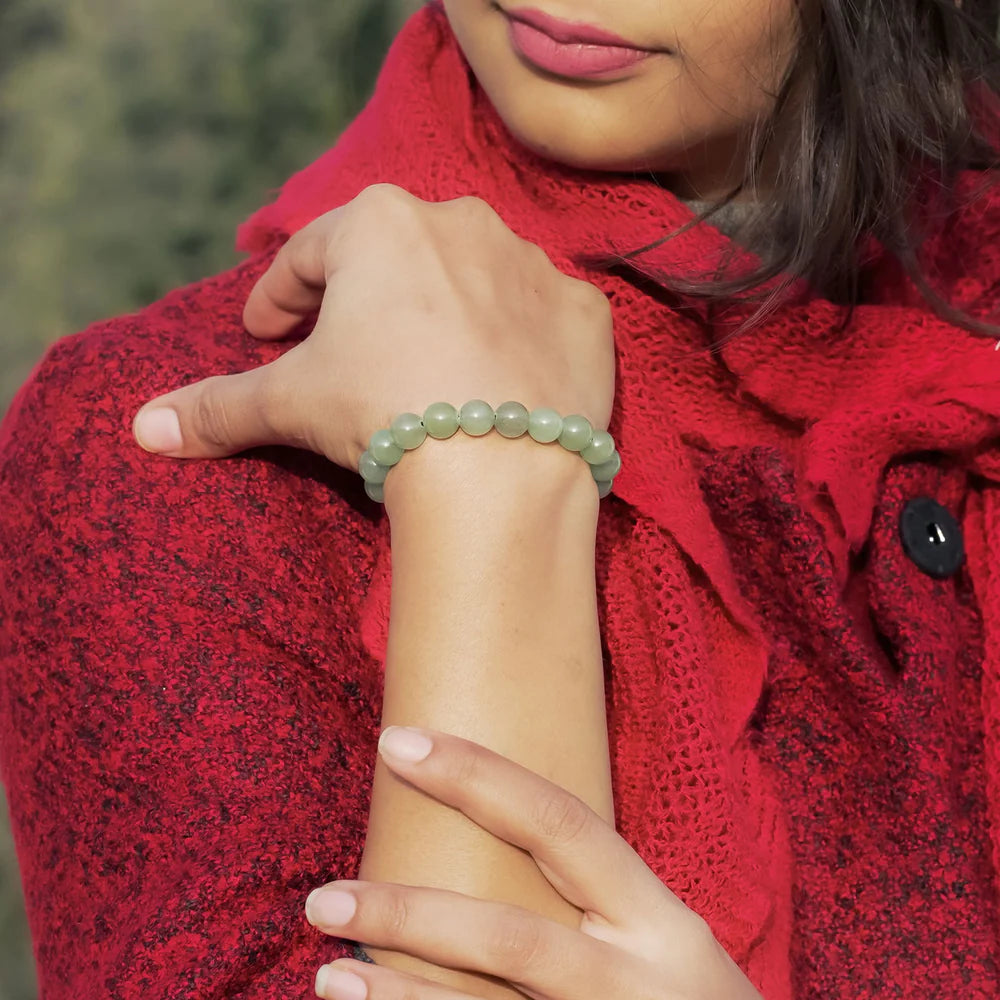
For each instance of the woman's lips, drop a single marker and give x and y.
(577, 51)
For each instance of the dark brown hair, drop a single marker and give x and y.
(888, 102)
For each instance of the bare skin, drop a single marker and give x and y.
(683, 114)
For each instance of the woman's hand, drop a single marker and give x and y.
(636, 939)
(418, 303)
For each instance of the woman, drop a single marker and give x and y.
(793, 574)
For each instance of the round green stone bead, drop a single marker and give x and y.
(440, 421)
(576, 433)
(408, 431)
(512, 420)
(371, 471)
(607, 470)
(384, 449)
(603, 489)
(376, 491)
(544, 425)
(599, 450)
(476, 418)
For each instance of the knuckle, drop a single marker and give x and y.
(535, 255)
(595, 310)
(379, 194)
(477, 210)
(288, 248)
(516, 945)
(592, 298)
(472, 205)
(271, 391)
(212, 415)
(386, 201)
(466, 770)
(560, 817)
(394, 914)
(272, 398)
(304, 235)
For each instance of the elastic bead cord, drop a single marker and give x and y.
(476, 418)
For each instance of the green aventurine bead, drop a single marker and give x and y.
(603, 489)
(371, 471)
(607, 471)
(512, 420)
(599, 450)
(376, 491)
(544, 425)
(384, 449)
(476, 418)
(441, 420)
(408, 431)
(576, 433)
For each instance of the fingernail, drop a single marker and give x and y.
(158, 429)
(330, 907)
(335, 984)
(404, 744)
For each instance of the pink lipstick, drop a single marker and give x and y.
(576, 51)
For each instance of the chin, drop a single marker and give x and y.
(608, 140)
(579, 142)
(579, 155)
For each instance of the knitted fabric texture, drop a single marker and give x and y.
(804, 727)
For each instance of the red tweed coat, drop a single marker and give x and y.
(804, 701)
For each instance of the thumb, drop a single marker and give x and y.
(213, 418)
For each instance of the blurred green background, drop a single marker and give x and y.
(134, 136)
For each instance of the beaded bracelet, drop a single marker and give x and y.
(512, 420)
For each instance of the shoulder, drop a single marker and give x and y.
(89, 385)
(71, 472)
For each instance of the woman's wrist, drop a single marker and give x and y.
(490, 477)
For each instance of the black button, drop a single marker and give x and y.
(931, 537)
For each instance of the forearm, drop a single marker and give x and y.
(493, 636)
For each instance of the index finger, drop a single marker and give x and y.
(292, 288)
(578, 852)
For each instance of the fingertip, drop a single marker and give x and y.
(269, 322)
(336, 983)
(262, 318)
(404, 745)
(157, 429)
